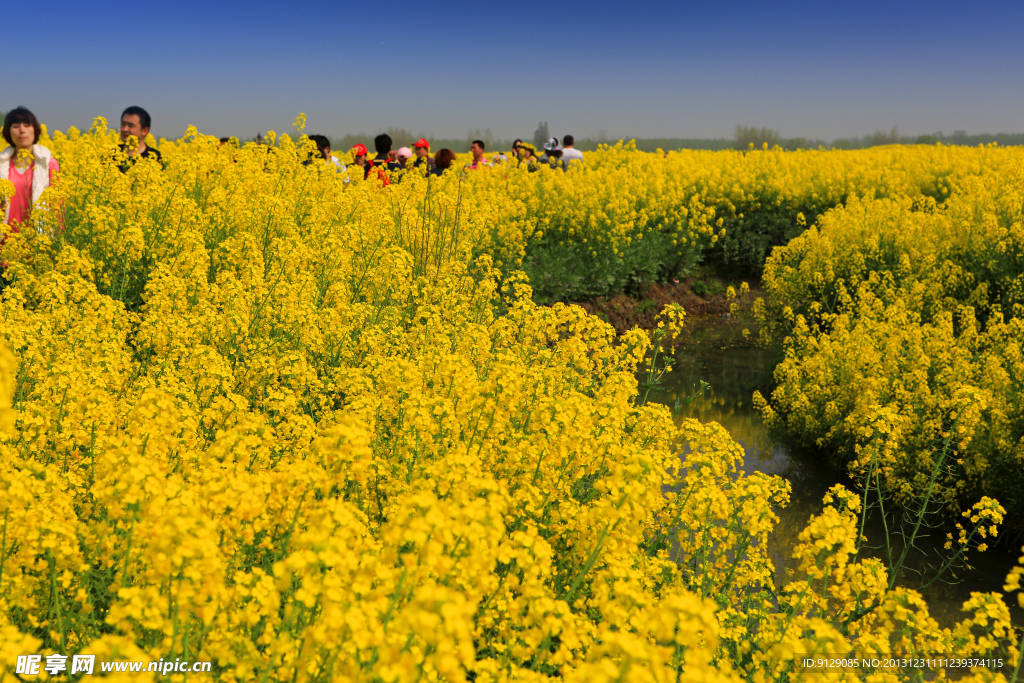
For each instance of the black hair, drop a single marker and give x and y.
(568, 141)
(322, 144)
(382, 143)
(144, 120)
(480, 143)
(21, 115)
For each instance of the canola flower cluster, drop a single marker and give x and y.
(903, 322)
(309, 431)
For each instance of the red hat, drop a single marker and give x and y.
(359, 151)
(422, 142)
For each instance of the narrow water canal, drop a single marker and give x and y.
(716, 352)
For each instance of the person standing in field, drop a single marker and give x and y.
(359, 153)
(323, 144)
(423, 161)
(443, 161)
(528, 156)
(381, 164)
(479, 160)
(135, 123)
(553, 154)
(29, 166)
(570, 153)
(384, 161)
(403, 156)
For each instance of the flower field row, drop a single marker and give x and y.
(310, 431)
(763, 198)
(903, 322)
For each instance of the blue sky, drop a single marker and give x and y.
(644, 69)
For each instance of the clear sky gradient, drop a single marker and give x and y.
(639, 69)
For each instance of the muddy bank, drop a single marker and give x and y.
(626, 312)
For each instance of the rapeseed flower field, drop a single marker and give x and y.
(902, 321)
(309, 428)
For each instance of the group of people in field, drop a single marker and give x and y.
(31, 168)
(389, 161)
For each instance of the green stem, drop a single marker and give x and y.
(920, 514)
(56, 600)
(3, 548)
(591, 561)
(864, 501)
(1020, 658)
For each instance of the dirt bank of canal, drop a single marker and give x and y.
(716, 351)
(702, 298)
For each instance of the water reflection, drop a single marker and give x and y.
(718, 353)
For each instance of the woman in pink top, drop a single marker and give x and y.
(28, 165)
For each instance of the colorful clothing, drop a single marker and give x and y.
(29, 183)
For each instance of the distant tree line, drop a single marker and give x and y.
(746, 137)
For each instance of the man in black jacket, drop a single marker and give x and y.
(135, 122)
(382, 143)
